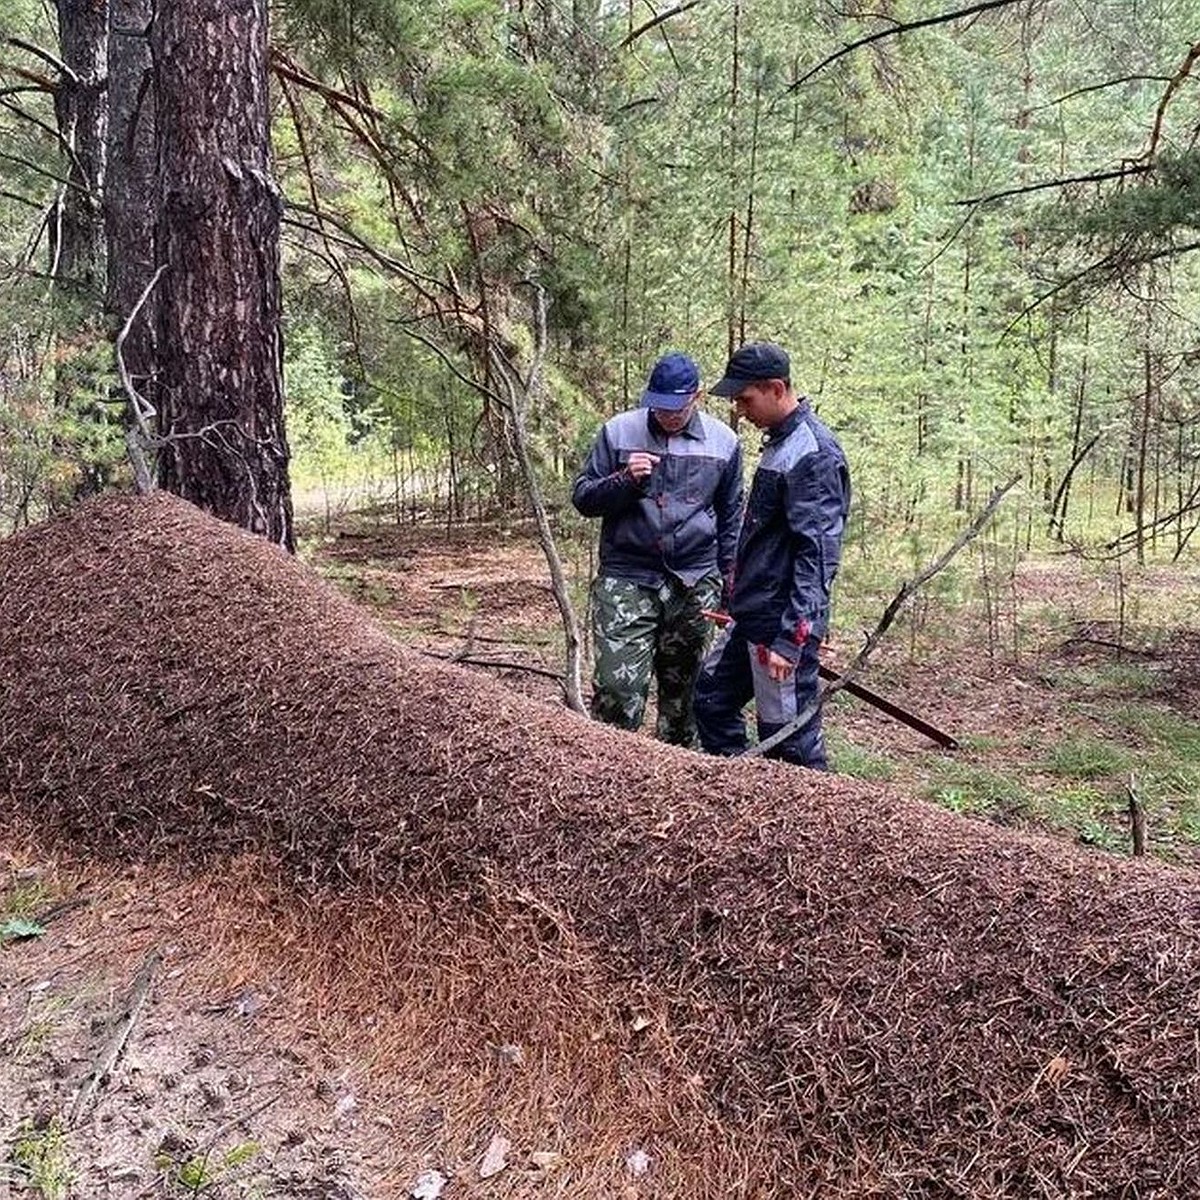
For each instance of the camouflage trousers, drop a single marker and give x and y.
(638, 631)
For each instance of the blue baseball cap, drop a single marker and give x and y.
(751, 363)
(673, 382)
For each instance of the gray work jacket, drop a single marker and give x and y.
(684, 519)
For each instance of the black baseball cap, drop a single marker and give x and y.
(750, 363)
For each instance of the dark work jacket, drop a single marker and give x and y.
(683, 520)
(791, 540)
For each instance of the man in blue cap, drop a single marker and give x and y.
(787, 557)
(666, 481)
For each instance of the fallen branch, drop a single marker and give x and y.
(207, 1147)
(461, 660)
(890, 613)
(111, 1051)
(61, 909)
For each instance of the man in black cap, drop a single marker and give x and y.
(666, 479)
(787, 557)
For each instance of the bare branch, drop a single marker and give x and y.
(1185, 69)
(1065, 181)
(137, 439)
(21, 199)
(630, 38)
(46, 57)
(498, 664)
(38, 170)
(898, 28)
(111, 1051)
(1100, 87)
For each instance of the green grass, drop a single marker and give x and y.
(976, 791)
(1117, 678)
(1087, 758)
(24, 900)
(1089, 814)
(852, 760)
(1163, 728)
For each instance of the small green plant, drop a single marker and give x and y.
(42, 1162)
(198, 1173)
(964, 788)
(42, 1026)
(23, 901)
(18, 929)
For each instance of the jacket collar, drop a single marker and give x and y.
(778, 432)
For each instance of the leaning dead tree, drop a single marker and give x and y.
(519, 390)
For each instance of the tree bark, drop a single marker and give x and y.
(220, 346)
(79, 109)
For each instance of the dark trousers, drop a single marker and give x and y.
(732, 675)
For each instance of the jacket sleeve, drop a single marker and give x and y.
(818, 500)
(728, 505)
(604, 488)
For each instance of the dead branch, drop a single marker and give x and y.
(35, 82)
(518, 391)
(1185, 69)
(111, 1050)
(463, 660)
(61, 909)
(335, 263)
(286, 68)
(1065, 181)
(630, 38)
(233, 1123)
(901, 598)
(46, 57)
(1137, 818)
(139, 438)
(898, 28)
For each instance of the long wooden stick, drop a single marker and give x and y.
(111, 1051)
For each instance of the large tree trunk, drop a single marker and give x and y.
(129, 214)
(220, 354)
(79, 108)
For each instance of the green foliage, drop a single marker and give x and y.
(857, 762)
(17, 929)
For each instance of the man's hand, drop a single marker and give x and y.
(778, 667)
(640, 465)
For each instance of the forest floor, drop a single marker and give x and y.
(1063, 693)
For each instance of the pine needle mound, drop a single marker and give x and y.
(888, 999)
